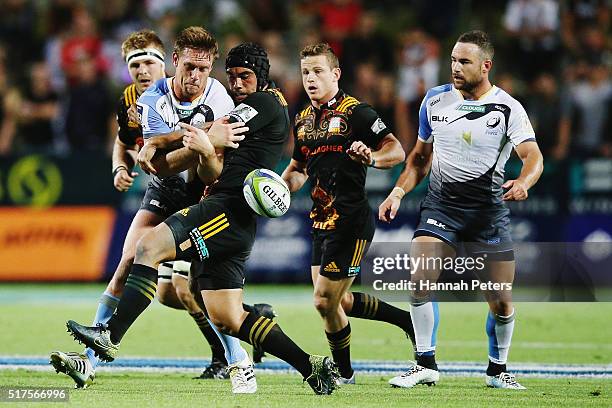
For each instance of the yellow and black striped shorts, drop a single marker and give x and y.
(220, 235)
(339, 252)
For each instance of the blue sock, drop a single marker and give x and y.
(499, 330)
(106, 308)
(234, 353)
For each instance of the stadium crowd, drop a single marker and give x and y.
(61, 72)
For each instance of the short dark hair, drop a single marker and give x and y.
(141, 39)
(481, 39)
(321, 49)
(196, 38)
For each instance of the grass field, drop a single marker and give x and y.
(33, 318)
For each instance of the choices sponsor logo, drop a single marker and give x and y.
(471, 108)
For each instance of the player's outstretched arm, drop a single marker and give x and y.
(418, 164)
(295, 175)
(388, 153)
(124, 158)
(533, 165)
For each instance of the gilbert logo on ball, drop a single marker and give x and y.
(266, 193)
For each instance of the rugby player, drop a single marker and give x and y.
(196, 98)
(220, 230)
(467, 130)
(336, 139)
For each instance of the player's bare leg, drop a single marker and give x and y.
(226, 312)
(424, 312)
(81, 367)
(328, 295)
(500, 322)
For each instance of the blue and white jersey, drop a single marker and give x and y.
(160, 111)
(472, 140)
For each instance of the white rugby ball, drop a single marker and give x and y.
(266, 193)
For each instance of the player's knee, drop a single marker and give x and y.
(501, 307)
(347, 302)
(185, 295)
(164, 298)
(419, 297)
(145, 251)
(324, 305)
(225, 324)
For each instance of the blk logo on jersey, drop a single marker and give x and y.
(436, 118)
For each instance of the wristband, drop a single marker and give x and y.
(398, 188)
(118, 169)
(373, 164)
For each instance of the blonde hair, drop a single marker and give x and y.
(140, 40)
(197, 38)
(321, 49)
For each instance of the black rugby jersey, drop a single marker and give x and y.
(322, 137)
(129, 133)
(265, 113)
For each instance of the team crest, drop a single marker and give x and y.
(334, 125)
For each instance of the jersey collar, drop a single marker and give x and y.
(334, 102)
(482, 97)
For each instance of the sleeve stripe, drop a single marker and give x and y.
(347, 103)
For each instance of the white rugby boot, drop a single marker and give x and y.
(242, 376)
(415, 375)
(503, 380)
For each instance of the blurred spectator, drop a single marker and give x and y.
(593, 45)
(510, 84)
(544, 110)
(418, 65)
(270, 15)
(9, 106)
(534, 24)
(578, 15)
(584, 114)
(82, 42)
(89, 108)
(18, 33)
(338, 18)
(388, 106)
(38, 110)
(366, 45)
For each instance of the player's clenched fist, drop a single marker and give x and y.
(360, 153)
(197, 140)
(123, 179)
(387, 210)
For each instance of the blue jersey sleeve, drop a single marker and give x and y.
(150, 120)
(424, 126)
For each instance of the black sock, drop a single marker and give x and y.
(340, 346)
(138, 294)
(368, 307)
(495, 369)
(427, 361)
(266, 334)
(218, 352)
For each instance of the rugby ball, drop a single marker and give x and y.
(266, 193)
